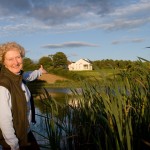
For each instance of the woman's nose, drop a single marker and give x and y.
(15, 60)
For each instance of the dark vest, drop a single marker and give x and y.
(19, 105)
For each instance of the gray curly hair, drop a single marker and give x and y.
(4, 48)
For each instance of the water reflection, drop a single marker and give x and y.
(59, 90)
(59, 94)
(39, 129)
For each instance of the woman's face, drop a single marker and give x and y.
(13, 61)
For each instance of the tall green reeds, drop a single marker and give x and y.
(108, 115)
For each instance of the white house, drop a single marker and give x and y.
(81, 64)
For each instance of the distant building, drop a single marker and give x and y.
(81, 64)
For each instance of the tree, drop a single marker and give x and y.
(46, 62)
(60, 60)
(28, 64)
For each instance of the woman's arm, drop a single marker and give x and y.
(33, 75)
(6, 123)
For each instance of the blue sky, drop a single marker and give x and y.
(89, 29)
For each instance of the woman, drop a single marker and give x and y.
(15, 107)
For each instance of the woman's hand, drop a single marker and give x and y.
(42, 69)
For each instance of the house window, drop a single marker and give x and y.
(85, 66)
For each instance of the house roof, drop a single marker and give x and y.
(87, 60)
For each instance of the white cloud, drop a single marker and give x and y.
(133, 40)
(70, 44)
(51, 16)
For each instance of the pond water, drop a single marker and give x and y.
(59, 94)
(59, 90)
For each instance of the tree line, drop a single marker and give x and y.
(59, 61)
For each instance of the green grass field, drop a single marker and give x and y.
(98, 74)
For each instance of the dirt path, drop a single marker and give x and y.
(51, 78)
